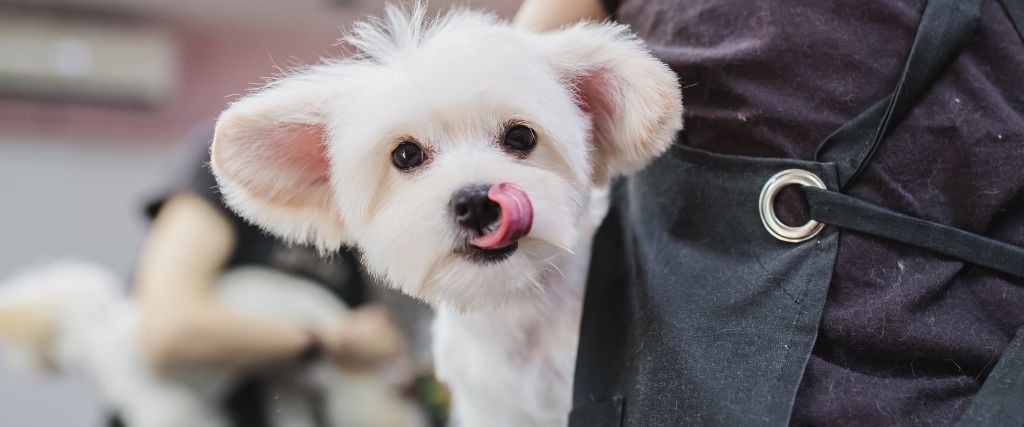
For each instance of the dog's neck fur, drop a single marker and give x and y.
(519, 326)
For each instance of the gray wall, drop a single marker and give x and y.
(69, 199)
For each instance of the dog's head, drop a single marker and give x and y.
(458, 155)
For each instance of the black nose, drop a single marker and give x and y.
(473, 210)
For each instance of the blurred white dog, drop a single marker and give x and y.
(73, 317)
(462, 156)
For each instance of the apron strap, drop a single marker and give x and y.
(1001, 400)
(1015, 10)
(850, 213)
(946, 28)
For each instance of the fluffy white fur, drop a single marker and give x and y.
(309, 158)
(94, 333)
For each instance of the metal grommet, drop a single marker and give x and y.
(766, 205)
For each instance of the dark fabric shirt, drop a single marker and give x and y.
(907, 337)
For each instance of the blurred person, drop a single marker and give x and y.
(194, 239)
(702, 308)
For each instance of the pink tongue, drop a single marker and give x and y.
(516, 217)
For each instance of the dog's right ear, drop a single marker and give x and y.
(270, 157)
(633, 100)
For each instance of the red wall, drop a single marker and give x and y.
(214, 66)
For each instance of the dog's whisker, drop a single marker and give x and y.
(537, 287)
(549, 260)
(559, 270)
(558, 245)
(432, 275)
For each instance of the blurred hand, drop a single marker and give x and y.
(366, 339)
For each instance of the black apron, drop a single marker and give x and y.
(702, 308)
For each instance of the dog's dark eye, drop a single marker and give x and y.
(520, 138)
(407, 155)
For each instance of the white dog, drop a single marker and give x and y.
(462, 156)
(88, 326)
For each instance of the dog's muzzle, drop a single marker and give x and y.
(496, 216)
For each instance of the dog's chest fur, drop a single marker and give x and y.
(510, 367)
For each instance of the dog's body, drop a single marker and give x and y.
(93, 330)
(462, 157)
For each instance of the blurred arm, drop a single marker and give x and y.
(185, 253)
(545, 15)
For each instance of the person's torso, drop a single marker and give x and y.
(906, 336)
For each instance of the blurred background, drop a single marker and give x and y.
(96, 97)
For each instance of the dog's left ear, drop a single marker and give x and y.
(634, 100)
(269, 155)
